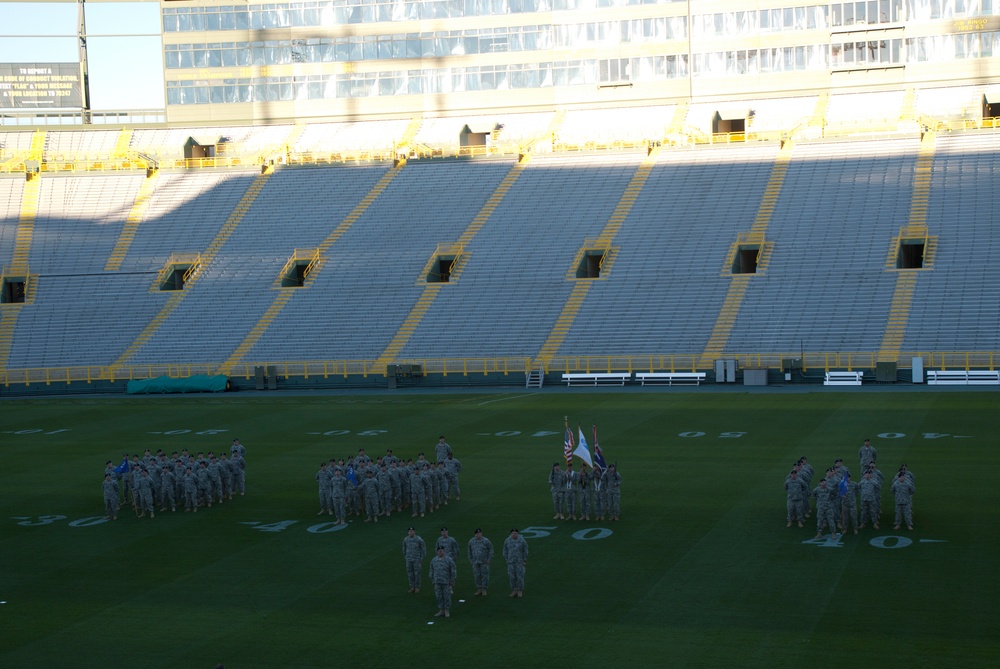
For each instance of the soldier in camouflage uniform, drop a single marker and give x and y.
(240, 471)
(557, 485)
(586, 492)
(226, 470)
(903, 489)
(167, 487)
(190, 490)
(144, 488)
(824, 508)
(414, 551)
(869, 499)
(370, 489)
(417, 492)
(449, 545)
(325, 490)
(442, 575)
(384, 480)
(613, 482)
(569, 498)
(111, 501)
(795, 492)
(338, 495)
(849, 505)
(452, 468)
(426, 478)
(867, 455)
(204, 485)
(480, 554)
(515, 553)
(442, 450)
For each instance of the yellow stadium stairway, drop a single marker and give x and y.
(123, 143)
(916, 229)
(25, 225)
(603, 241)
(739, 283)
(285, 295)
(431, 290)
(135, 216)
(227, 229)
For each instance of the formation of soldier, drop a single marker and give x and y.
(590, 491)
(443, 571)
(837, 494)
(360, 486)
(181, 480)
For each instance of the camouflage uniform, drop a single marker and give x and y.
(370, 488)
(442, 575)
(569, 498)
(869, 497)
(849, 506)
(144, 487)
(325, 490)
(867, 454)
(796, 492)
(442, 450)
(824, 508)
(452, 467)
(480, 554)
(190, 490)
(167, 487)
(515, 553)
(384, 479)
(613, 482)
(417, 493)
(557, 485)
(240, 478)
(586, 493)
(111, 493)
(903, 490)
(338, 494)
(414, 551)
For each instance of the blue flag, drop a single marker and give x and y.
(599, 463)
(351, 476)
(843, 484)
(123, 467)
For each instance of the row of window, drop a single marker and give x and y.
(938, 48)
(341, 12)
(423, 82)
(423, 45)
(581, 72)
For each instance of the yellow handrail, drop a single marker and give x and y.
(809, 362)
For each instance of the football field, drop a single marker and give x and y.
(699, 572)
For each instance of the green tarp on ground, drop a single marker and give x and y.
(164, 384)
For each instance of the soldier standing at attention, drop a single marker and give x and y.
(569, 498)
(515, 553)
(414, 550)
(480, 554)
(442, 575)
(325, 490)
(417, 492)
(338, 495)
(144, 488)
(869, 498)
(849, 505)
(902, 488)
(111, 493)
(796, 491)
(190, 491)
(452, 468)
(442, 450)
(384, 480)
(824, 508)
(370, 489)
(586, 492)
(867, 454)
(167, 487)
(613, 482)
(557, 485)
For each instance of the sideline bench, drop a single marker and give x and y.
(843, 378)
(962, 377)
(581, 379)
(671, 378)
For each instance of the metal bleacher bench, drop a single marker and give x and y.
(962, 377)
(843, 379)
(670, 378)
(588, 379)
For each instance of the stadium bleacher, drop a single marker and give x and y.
(826, 287)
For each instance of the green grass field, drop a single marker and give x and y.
(700, 572)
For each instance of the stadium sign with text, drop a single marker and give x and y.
(40, 86)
